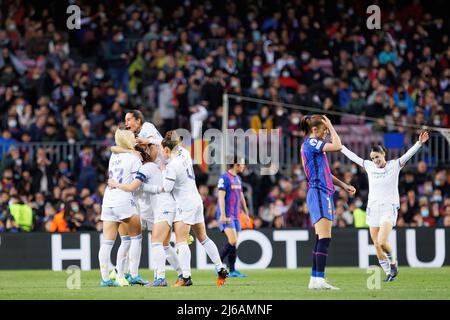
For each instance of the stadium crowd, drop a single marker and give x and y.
(173, 60)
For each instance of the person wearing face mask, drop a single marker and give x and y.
(384, 199)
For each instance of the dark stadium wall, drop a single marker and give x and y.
(415, 247)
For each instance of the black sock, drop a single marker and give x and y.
(321, 256)
(314, 266)
(225, 251)
(232, 258)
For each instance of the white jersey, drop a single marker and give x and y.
(148, 130)
(149, 203)
(122, 168)
(180, 171)
(383, 182)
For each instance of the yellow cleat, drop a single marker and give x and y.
(122, 282)
(113, 274)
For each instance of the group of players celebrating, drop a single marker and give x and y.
(152, 187)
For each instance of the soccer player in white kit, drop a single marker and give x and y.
(384, 201)
(157, 212)
(179, 180)
(145, 132)
(120, 207)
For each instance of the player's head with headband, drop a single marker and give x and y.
(125, 139)
(134, 119)
(378, 155)
(313, 126)
(170, 143)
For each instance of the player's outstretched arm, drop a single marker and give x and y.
(350, 189)
(352, 156)
(423, 137)
(129, 187)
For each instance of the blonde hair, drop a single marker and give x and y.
(125, 139)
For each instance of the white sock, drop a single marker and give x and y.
(111, 267)
(390, 256)
(184, 257)
(122, 254)
(172, 257)
(385, 265)
(104, 257)
(135, 254)
(126, 262)
(159, 260)
(213, 253)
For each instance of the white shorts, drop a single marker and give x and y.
(165, 216)
(192, 216)
(147, 219)
(378, 214)
(117, 214)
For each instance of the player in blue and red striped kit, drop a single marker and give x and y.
(320, 189)
(229, 204)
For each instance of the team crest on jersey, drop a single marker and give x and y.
(315, 143)
(221, 183)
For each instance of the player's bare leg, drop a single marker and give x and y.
(212, 251)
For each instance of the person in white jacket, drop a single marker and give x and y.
(384, 201)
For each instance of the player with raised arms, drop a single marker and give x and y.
(384, 200)
(320, 189)
(179, 180)
(229, 202)
(119, 207)
(157, 211)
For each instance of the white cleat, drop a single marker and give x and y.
(322, 284)
(312, 283)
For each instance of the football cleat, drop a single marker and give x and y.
(236, 274)
(138, 280)
(109, 283)
(183, 282)
(113, 274)
(392, 274)
(322, 284)
(122, 282)
(161, 282)
(221, 277)
(312, 283)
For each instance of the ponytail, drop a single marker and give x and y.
(310, 121)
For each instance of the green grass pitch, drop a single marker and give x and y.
(272, 284)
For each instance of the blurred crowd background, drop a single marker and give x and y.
(173, 60)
